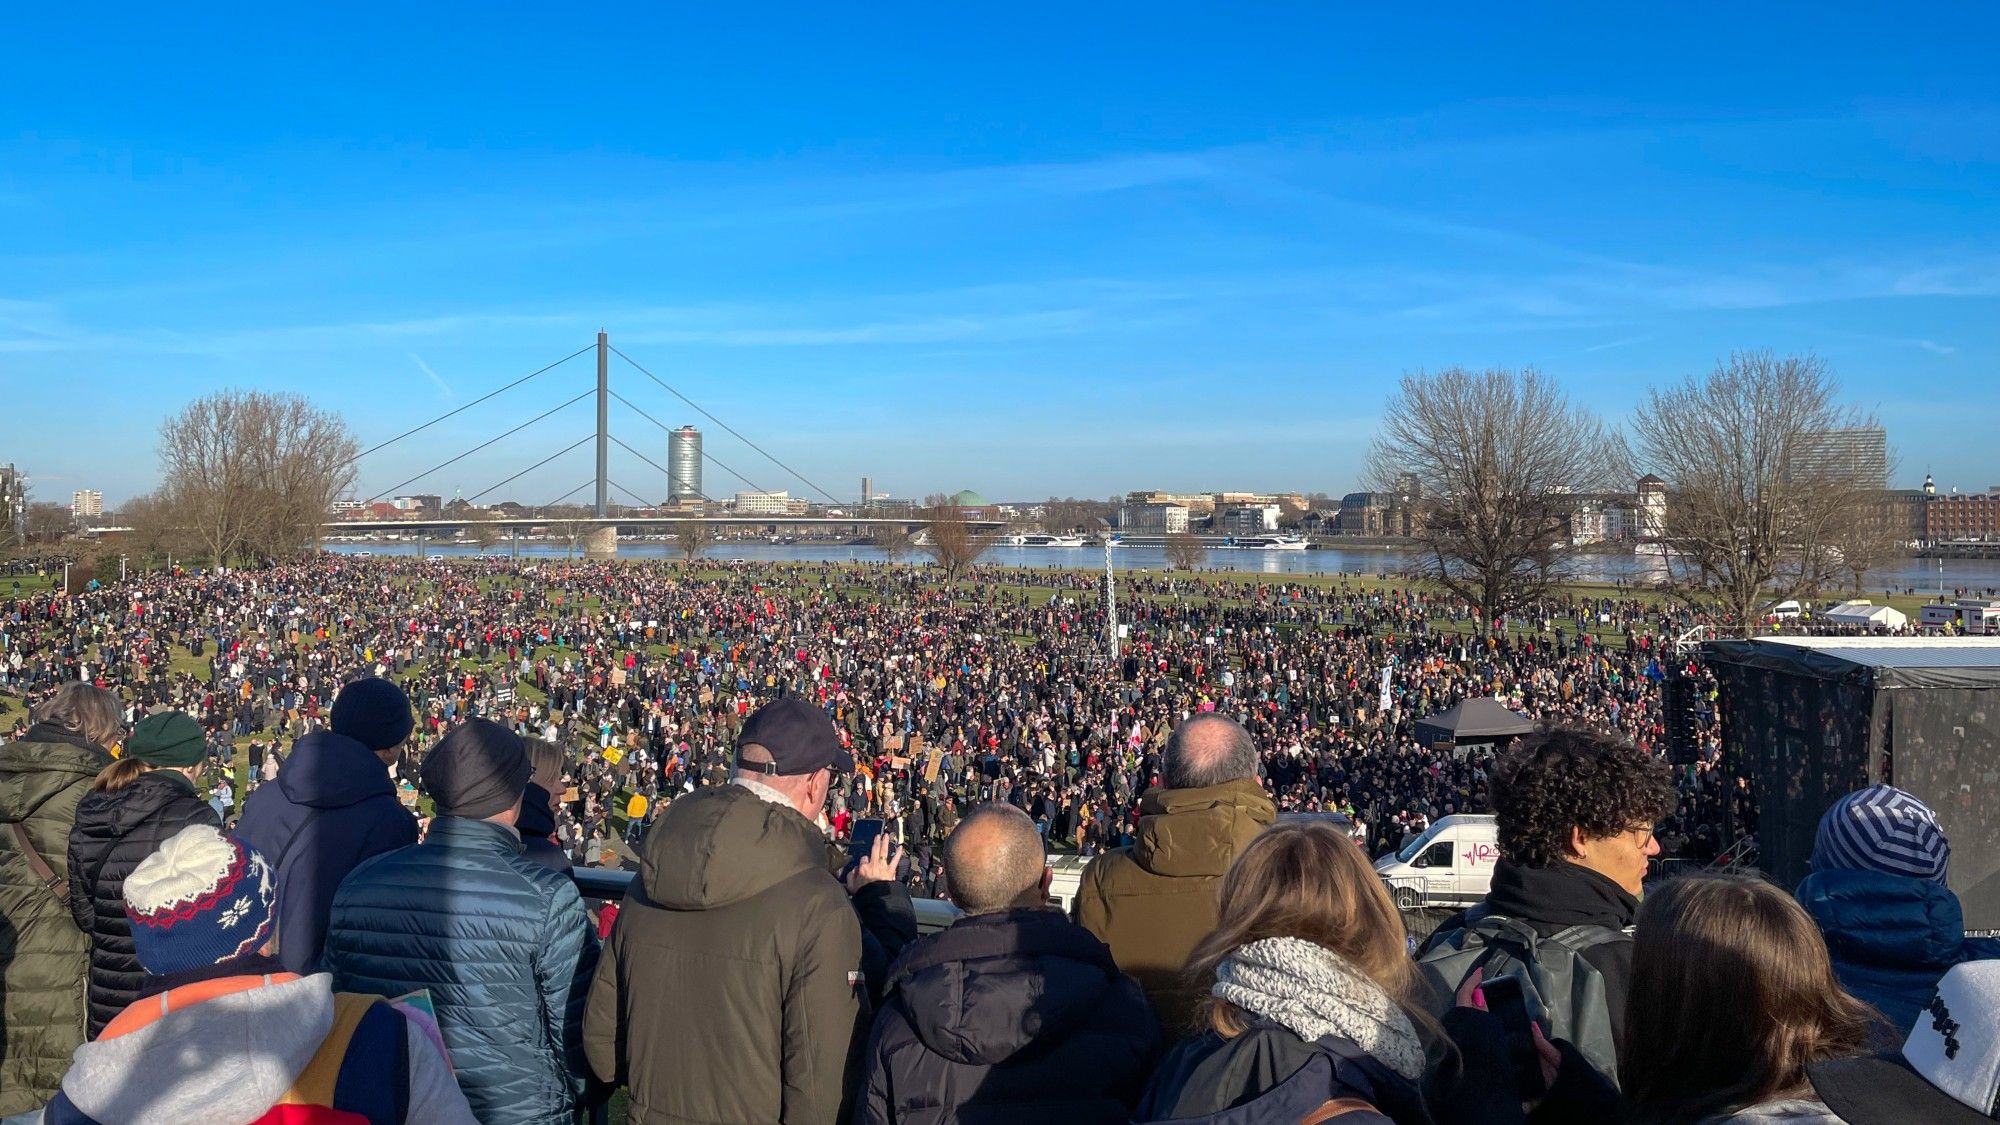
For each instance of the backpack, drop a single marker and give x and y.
(1563, 991)
(1314, 1094)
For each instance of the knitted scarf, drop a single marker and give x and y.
(1315, 993)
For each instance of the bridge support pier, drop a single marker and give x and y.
(601, 543)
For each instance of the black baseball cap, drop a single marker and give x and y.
(799, 737)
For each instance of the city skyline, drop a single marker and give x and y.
(1039, 265)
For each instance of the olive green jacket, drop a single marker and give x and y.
(731, 988)
(1153, 902)
(44, 958)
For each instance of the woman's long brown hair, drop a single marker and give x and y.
(1306, 880)
(1732, 995)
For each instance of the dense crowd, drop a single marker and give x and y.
(643, 673)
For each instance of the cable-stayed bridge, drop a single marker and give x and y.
(605, 522)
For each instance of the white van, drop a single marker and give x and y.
(1451, 864)
(1068, 878)
(1783, 611)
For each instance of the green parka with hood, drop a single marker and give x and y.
(730, 990)
(44, 957)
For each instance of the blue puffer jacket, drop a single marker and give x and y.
(332, 807)
(1891, 936)
(504, 947)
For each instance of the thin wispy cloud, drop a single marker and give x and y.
(443, 387)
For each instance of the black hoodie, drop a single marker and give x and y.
(331, 808)
(1008, 1016)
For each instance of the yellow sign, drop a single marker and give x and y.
(614, 754)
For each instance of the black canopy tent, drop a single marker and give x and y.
(1470, 722)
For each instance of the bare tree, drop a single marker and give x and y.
(483, 534)
(46, 522)
(894, 539)
(1756, 508)
(691, 536)
(254, 473)
(949, 538)
(570, 523)
(1496, 459)
(1876, 534)
(1185, 551)
(157, 531)
(303, 457)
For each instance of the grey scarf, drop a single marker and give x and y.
(1315, 993)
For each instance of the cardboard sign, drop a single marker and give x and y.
(932, 761)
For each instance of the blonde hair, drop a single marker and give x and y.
(1306, 880)
(548, 761)
(119, 774)
(86, 710)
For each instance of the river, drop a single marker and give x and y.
(1920, 574)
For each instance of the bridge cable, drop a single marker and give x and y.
(706, 455)
(578, 488)
(482, 445)
(524, 472)
(467, 406)
(726, 426)
(643, 502)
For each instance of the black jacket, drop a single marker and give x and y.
(536, 825)
(1207, 1074)
(1014, 1016)
(888, 924)
(1552, 899)
(113, 833)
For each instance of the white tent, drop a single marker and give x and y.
(1867, 615)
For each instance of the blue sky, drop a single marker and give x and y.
(1024, 249)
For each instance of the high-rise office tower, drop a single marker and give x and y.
(684, 465)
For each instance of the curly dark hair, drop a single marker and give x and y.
(1561, 778)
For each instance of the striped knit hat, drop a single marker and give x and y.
(1881, 828)
(203, 899)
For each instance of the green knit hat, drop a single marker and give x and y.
(169, 738)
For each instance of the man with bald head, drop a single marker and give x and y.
(1011, 1010)
(1153, 901)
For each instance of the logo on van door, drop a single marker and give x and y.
(1481, 853)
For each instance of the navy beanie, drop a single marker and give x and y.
(373, 712)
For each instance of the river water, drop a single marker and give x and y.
(1920, 574)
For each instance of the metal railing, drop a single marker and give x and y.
(608, 884)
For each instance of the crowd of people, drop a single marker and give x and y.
(642, 673)
(757, 971)
(387, 930)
